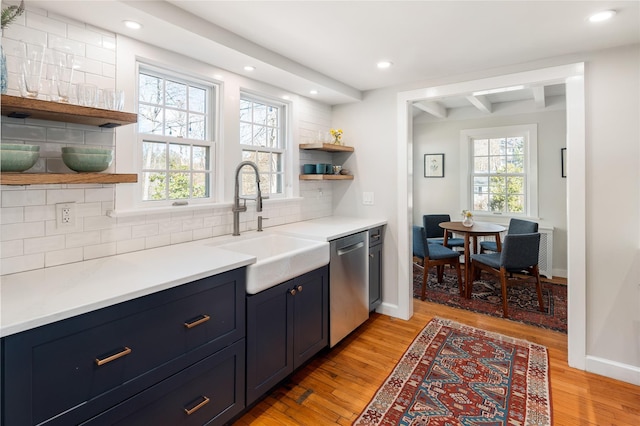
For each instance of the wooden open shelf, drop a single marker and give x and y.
(327, 147)
(326, 177)
(7, 178)
(18, 107)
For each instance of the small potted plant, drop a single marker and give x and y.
(467, 218)
(336, 134)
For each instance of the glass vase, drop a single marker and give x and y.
(467, 221)
(3, 65)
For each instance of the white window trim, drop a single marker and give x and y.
(285, 130)
(530, 132)
(212, 139)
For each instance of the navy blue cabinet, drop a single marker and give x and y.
(375, 267)
(286, 325)
(73, 370)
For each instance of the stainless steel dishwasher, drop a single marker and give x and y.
(348, 285)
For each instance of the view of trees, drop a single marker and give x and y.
(499, 175)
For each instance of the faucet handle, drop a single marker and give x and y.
(260, 219)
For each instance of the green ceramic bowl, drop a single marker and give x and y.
(87, 162)
(19, 147)
(86, 150)
(17, 161)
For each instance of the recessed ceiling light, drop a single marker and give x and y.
(249, 68)
(132, 24)
(602, 16)
(384, 64)
(313, 92)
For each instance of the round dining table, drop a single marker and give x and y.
(478, 229)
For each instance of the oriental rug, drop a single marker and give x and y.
(454, 374)
(486, 298)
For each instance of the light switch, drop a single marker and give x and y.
(367, 198)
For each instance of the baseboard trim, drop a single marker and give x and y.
(613, 369)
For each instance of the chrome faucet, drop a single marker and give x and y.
(237, 208)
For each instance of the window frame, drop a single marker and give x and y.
(530, 134)
(211, 139)
(283, 150)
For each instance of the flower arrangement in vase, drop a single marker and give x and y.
(336, 134)
(467, 218)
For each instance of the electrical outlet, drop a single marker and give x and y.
(66, 215)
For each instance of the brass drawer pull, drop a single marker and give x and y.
(123, 352)
(201, 319)
(195, 408)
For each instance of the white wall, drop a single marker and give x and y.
(29, 238)
(613, 199)
(442, 195)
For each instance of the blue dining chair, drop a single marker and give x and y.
(435, 255)
(435, 234)
(519, 255)
(516, 226)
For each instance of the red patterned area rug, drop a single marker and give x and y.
(487, 298)
(454, 374)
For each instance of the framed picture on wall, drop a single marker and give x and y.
(434, 165)
(563, 160)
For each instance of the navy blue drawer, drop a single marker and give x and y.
(209, 392)
(89, 363)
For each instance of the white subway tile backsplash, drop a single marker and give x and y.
(12, 265)
(44, 23)
(56, 196)
(18, 231)
(65, 136)
(44, 244)
(39, 213)
(11, 248)
(158, 241)
(79, 239)
(61, 257)
(101, 194)
(127, 246)
(146, 230)
(11, 215)
(181, 237)
(115, 234)
(93, 223)
(23, 132)
(99, 250)
(104, 138)
(30, 238)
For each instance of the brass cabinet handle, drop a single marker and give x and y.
(300, 289)
(123, 352)
(198, 406)
(200, 320)
(292, 292)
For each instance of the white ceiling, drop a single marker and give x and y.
(333, 46)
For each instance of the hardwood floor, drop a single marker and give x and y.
(338, 383)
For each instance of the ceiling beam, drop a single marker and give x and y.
(538, 96)
(434, 108)
(481, 102)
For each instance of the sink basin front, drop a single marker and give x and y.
(278, 258)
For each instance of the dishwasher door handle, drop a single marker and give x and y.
(350, 248)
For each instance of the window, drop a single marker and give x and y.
(262, 130)
(175, 130)
(502, 170)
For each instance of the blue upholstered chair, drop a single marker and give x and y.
(516, 226)
(435, 255)
(435, 234)
(519, 254)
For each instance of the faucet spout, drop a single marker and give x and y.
(237, 208)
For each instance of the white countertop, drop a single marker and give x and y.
(35, 298)
(329, 228)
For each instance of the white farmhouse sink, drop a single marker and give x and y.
(278, 258)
